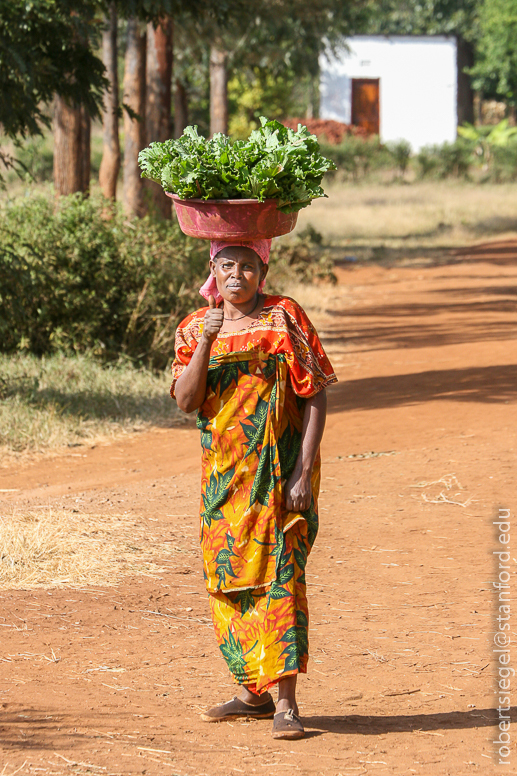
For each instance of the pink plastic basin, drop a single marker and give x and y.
(226, 219)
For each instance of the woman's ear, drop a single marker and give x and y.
(265, 270)
(212, 267)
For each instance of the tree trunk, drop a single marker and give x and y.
(134, 128)
(71, 148)
(465, 95)
(85, 148)
(180, 109)
(158, 101)
(218, 91)
(110, 164)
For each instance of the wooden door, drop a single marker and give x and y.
(365, 104)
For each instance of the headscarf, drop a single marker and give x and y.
(261, 248)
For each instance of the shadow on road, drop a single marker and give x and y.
(493, 384)
(400, 723)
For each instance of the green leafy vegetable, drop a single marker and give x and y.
(274, 163)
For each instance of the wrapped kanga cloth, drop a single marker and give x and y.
(254, 550)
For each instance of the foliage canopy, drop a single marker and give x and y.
(46, 48)
(495, 71)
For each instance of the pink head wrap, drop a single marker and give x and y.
(261, 248)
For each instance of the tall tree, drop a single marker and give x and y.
(218, 89)
(158, 100)
(110, 164)
(181, 116)
(495, 72)
(71, 147)
(46, 49)
(274, 37)
(134, 116)
(159, 81)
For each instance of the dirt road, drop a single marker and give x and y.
(418, 455)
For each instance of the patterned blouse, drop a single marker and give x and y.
(281, 328)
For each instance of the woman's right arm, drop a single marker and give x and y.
(190, 389)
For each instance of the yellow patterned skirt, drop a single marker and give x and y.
(263, 633)
(254, 549)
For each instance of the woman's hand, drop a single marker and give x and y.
(191, 385)
(298, 489)
(214, 319)
(298, 492)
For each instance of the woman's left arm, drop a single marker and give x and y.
(298, 490)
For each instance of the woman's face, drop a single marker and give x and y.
(238, 272)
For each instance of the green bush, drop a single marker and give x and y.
(427, 161)
(355, 157)
(446, 160)
(78, 276)
(36, 159)
(301, 258)
(503, 166)
(455, 158)
(400, 151)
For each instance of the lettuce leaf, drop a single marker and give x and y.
(274, 163)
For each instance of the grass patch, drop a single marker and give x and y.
(65, 400)
(64, 549)
(420, 214)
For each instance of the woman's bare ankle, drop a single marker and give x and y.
(285, 704)
(252, 698)
(287, 694)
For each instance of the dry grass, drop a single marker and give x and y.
(61, 400)
(51, 549)
(445, 490)
(423, 213)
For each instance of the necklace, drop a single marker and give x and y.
(246, 314)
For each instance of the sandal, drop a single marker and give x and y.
(287, 725)
(237, 708)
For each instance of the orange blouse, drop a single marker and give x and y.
(281, 328)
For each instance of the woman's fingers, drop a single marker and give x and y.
(296, 502)
(214, 319)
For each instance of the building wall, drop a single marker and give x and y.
(418, 85)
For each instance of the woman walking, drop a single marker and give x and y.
(252, 364)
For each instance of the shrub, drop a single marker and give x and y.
(302, 259)
(72, 279)
(401, 154)
(446, 160)
(455, 158)
(504, 163)
(427, 161)
(355, 156)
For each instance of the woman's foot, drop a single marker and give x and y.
(262, 707)
(287, 725)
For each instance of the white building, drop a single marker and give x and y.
(400, 87)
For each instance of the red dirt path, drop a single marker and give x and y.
(401, 678)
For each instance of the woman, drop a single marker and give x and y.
(253, 366)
